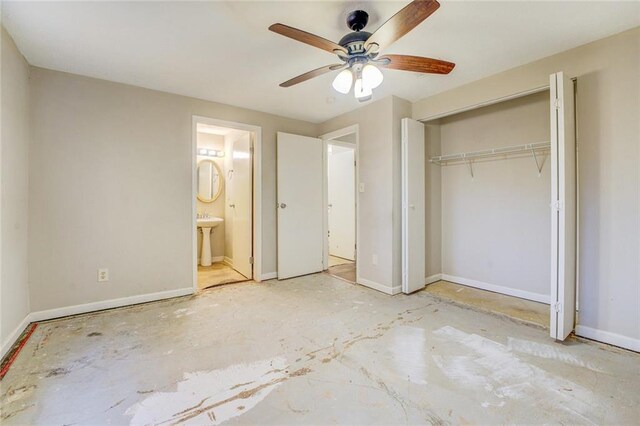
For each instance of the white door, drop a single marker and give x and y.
(413, 206)
(342, 201)
(300, 205)
(563, 207)
(240, 202)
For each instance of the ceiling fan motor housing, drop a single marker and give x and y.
(354, 42)
(357, 20)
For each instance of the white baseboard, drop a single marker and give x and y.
(608, 337)
(377, 286)
(432, 279)
(108, 304)
(268, 276)
(217, 259)
(536, 297)
(227, 260)
(15, 334)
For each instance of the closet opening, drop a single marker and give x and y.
(499, 207)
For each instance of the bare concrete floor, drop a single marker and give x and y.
(313, 350)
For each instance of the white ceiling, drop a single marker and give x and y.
(223, 51)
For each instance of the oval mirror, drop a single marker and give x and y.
(209, 181)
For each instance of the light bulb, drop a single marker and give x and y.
(371, 76)
(362, 92)
(342, 82)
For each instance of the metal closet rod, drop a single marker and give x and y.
(467, 156)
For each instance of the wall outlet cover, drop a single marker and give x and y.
(103, 275)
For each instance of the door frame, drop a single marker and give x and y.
(257, 191)
(326, 139)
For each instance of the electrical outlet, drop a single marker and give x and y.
(103, 275)
(374, 260)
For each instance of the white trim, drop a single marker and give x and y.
(380, 287)
(325, 191)
(485, 103)
(536, 297)
(108, 304)
(269, 276)
(432, 279)
(227, 260)
(15, 334)
(608, 337)
(217, 259)
(257, 190)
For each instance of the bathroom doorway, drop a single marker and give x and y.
(224, 202)
(341, 204)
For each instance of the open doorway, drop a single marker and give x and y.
(224, 207)
(341, 205)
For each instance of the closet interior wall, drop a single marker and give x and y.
(492, 229)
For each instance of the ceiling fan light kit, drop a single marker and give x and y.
(359, 50)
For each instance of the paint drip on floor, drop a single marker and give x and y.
(212, 397)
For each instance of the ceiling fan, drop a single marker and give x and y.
(359, 50)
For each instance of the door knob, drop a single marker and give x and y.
(233, 206)
(283, 206)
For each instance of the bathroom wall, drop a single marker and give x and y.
(14, 193)
(216, 208)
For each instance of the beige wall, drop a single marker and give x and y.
(496, 226)
(111, 187)
(376, 208)
(217, 207)
(14, 190)
(608, 115)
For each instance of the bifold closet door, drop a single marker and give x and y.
(563, 207)
(300, 205)
(413, 206)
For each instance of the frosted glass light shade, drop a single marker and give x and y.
(371, 76)
(342, 82)
(361, 91)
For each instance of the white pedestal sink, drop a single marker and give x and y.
(206, 224)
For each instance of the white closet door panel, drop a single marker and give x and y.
(563, 207)
(413, 206)
(300, 205)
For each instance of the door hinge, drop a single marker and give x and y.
(251, 260)
(558, 307)
(557, 103)
(557, 205)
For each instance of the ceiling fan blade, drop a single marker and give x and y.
(418, 64)
(311, 74)
(402, 22)
(307, 38)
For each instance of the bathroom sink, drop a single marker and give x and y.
(209, 222)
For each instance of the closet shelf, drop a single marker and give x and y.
(469, 156)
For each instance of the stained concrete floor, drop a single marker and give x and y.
(313, 350)
(515, 307)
